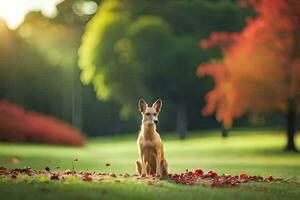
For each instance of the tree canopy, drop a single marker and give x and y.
(132, 49)
(260, 71)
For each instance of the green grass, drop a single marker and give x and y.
(251, 152)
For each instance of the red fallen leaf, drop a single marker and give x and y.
(270, 178)
(255, 178)
(212, 174)
(26, 170)
(198, 172)
(87, 178)
(175, 175)
(222, 179)
(68, 172)
(14, 176)
(54, 177)
(244, 176)
(190, 173)
(107, 164)
(14, 161)
(233, 183)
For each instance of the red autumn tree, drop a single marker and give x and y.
(260, 70)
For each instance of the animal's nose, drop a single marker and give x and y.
(156, 121)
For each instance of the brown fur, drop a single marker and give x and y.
(150, 146)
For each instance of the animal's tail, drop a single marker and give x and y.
(138, 167)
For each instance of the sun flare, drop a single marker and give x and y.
(14, 11)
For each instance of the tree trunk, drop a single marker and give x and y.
(76, 99)
(224, 131)
(181, 122)
(291, 129)
(291, 114)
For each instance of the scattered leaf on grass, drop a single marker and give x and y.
(191, 178)
(54, 177)
(270, 178)
(113, 175)
(87, 178)
(15, 161)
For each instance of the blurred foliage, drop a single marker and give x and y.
(19, 125)
(131, 49)
(39, 71)
(270, 79)
(134, 49)
(116, 74)
(22, 78)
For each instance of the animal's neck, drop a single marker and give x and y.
(148, 130)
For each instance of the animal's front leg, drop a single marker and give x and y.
(158, 163)
(143, 165)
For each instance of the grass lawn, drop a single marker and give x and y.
(251, 152)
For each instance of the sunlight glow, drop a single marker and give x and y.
(14, 11)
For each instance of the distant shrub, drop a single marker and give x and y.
(19, 125)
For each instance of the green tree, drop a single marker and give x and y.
(134, 49)
(107, 58)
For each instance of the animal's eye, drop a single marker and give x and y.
(147, 114)
(154, 114)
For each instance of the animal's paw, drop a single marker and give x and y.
(158, 176)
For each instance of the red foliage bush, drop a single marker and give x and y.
(19, 125)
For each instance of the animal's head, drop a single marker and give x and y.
(150, 114)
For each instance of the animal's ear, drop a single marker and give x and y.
(142, 105)
(157, 105)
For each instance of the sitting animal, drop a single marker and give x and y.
(152, 160)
